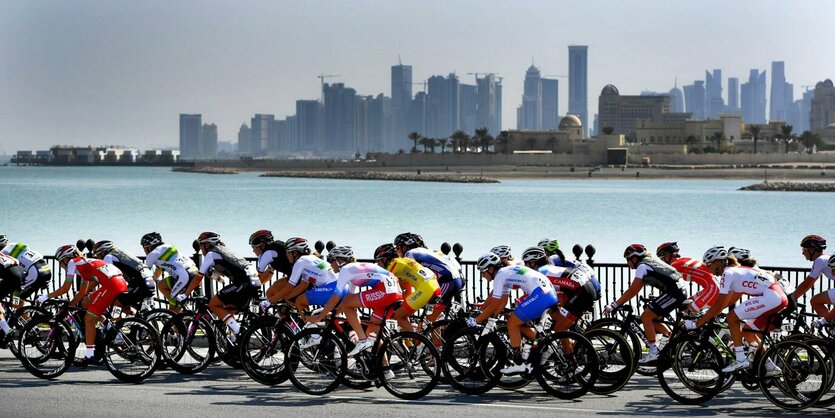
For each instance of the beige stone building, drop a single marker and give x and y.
(562, 140)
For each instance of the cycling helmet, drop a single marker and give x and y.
(150, 239)
(419, 240)
(66, 251)
(488, 260)
(102, 248)
(552, 246)
(739, 253)
(342, 252)
(832, 262)
(385, 251)
(716, 253)
(813, 241)
(635, 250)
(406, 238)
(296, 244)
(503, 251)
(533, 254)
(667, 248)
(3, 240)
(259, 237)
(209, 237)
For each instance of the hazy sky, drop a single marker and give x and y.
(118, 72)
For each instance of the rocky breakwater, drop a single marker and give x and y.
(205, 170)
(792, 186)
(375, 175)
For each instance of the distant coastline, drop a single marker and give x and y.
(791, 186)
(377, 175)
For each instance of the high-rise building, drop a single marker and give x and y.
(418, 120)
(676, 99)
(208, 141)
(191, 127)
(309, 125)
(823, 106)
(550, 103)
(442, 106)
(339, 107)
(694, 99)
(782, 93)
(489, 104)
(622, 112)
(733, 94)
(468, 109)
(714, 104)
(578, 89)
(379, 121)
(531, 115)
(244, 140)
(263, 128)
(292, 134)
(401, 99)
(280, 141)
(753, 98)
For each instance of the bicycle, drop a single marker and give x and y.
(262, 345)
(17, 318)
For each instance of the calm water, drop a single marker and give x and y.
(48, 207)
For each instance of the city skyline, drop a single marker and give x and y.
(121, 73)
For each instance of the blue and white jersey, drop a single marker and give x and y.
(354, 275)
(445, 269)
(524, 278)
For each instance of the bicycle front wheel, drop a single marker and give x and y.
(410, 365)
(565, 365)
(132, 350)
(615, 359)
(46, 347)
(690, 371)
(262, 348)
(316, 361)
(801, 379)
(187, 344)
(461, 364)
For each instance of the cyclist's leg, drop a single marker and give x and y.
(349, 306)
(821, 300)
(449, 290)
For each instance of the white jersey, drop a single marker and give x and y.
(821, 267)
(25, 255)
(313, 269)
(265, 259)
(525, 278)
(168, 258)
(7, 261)
(748, 281)
(354, 275)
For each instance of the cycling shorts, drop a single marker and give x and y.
(105, 295)
(449, 291)
(831, 294)
(10, 279)
(378, 300)
(667, 302)
(421, 297)
(237, 294)
(582, 300)
(37, 278)
(320, 295)
(535, 304)
(178, 284)
(134, 297)
(756, 311)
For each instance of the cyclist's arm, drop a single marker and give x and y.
(630, 293)
(332, 302)
(721, 303)
(80, 295)
(298, 289)
(266, 275)
(804, 287)
(492, 306)
(63, 290)
(284, 289)
(193, 284)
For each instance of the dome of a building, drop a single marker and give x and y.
(610, 90)
(827, 83)
(831, 126)
(570, 121)
(532, 70)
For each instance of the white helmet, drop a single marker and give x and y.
(739, 253)
(716, 253)
(343, 252)
(832, 262)
(503, 251)
(533, 254)
(488, 260)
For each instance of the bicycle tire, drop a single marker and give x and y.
(690, 354)
(137, 342)
(318, 369)
(19, 319)
(460, 363)
(494, 353)
(261, 350)
(615, 359)
(409, 355)
(188, 354)
(564, 374)
(620, 327)
(38, 341)
(796, 359)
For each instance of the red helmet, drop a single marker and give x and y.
(667, 248)
(296, 244)
(385, 251)
(209, 237)
(262, 236)
(66, 251)
(813, 241)
(635, 250)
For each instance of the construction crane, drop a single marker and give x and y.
(476, 74)
(555, 75)
(421, 84)
(322, 78)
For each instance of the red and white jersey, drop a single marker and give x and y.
(93, 270)
(354, 275)
(748, 281)
(694, 270)
(6, 261)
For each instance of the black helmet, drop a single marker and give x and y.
(667, 248)
(151, 239)
(813, 241)
(103, 248)
(262, 236)
(385, 251)
(406, 238)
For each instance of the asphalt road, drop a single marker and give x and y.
(221, 391)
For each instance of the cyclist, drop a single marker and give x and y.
(384, 291)
(139, 277)
(653, 272)
(812, 249)
(243, 279)
(11, 276)
(418, 282)
(540, 296)
(272, 255)
(767, 299)
(310, 282)
(553, 251)
(693, 270)
(167, 258)
(38, 274)
(446, 269)
(573, 286)
(110, 283)
(828, 319)
(504, 252)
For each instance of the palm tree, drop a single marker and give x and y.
(414, 137)
(425, 141)
(786, 133)
(755, 133)
(483, 139)
(459, 141)
(718, 137)
(442, 142)
(503, 140)
(608, 130)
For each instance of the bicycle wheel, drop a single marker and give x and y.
(316, 369)
(827, 350)
(636, 344)
(413, 360)
(690, 371)
(157, 318)
(615, 360)
(44, 347)
(803, 379)
(187, 345)
(262, 351)
(460, 363)
(494, 353)
(132, 350)
(565, 364)
(18, 319)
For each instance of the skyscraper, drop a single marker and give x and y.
(379, 121)
(309, 125)
(442, 106)
(753, 98)
(694, 99)
(550, 103)
(532, 100)
(468, 108)
(262, 127)
(714, 104)
(676, 99)
(782, 93)
(489, 104)
(190, 130)
(208, 141)
(401, 99)
(578, 88)
(339, 118)
(823, 106)
(244, 139)
(733, 94)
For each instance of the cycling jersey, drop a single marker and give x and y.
(694, 270)
(768, 299)
(11, 275)
(109, 278)
(311, 269)
(275, 257)
(6, 261)
(37, 274)
(354, 275)
(577, 285)
(659, 275)
(443, 267)
(237, 269)
(522, 277)
(169, 258)
(424, 285)
(821, 267)
(133, 269)
(25, 255)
